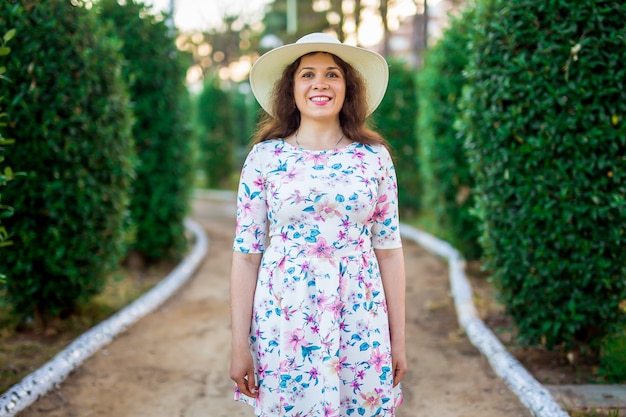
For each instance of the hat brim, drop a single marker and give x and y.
(269, 68)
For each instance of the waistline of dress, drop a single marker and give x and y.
(317, 250)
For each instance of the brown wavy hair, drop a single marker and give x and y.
(286, 120)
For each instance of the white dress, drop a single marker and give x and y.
(320, 330)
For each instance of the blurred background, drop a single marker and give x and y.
(507, 120)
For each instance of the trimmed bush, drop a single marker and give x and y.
(612, 363)
(545, 129)
(395, 119)
(6, 173)
(155, 71)
(216, 133)
(445, 172)
(69, 112)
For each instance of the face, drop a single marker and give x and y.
(319, 87)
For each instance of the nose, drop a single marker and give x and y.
(320, 84)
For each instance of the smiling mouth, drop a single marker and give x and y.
(320, 99)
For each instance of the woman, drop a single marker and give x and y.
(317, 279)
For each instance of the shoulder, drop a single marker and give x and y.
(267, 145)
(375, 151)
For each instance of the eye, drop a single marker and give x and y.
(308, 75)
(332, 75)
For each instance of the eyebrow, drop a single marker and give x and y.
(312, 68)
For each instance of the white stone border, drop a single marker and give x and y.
(50, 375)
(530, 392)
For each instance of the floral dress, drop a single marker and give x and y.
(320, 332)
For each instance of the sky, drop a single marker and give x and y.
(201, 15)
(191, 15)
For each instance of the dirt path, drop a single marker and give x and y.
(174, 362)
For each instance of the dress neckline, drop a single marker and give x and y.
(313, 151)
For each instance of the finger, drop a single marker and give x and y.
(242, 385)
(252, 387)
(398, 374)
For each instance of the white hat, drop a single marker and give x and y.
(269, 67)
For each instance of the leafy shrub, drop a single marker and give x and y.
(68, 110)
(6, 173)
(217, 139)
(445, 171)
(545, 131)
(395, 119)
(155, 71)
(612, 363)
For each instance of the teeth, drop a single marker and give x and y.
(320, 99)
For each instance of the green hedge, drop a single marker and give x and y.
(155, 71)
(69, 112)
(447, 181)
(396, 119)
(545, 129)
(217, 139)
(6, 172)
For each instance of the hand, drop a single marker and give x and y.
(399, 363)
(242, 373)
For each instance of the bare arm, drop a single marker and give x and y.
(391, 263)
(243, 277)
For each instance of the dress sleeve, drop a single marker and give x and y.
(386, 227)
(251, 226)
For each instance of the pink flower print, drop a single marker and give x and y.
(326, 210)
(321, 300)
(358, 155)
(372, 399)
(297, 198)
(259, 182)
(294, 172)
(285, 311)
(318, 159)
(277, 151)
(262, 371)
(378, 359)
(336, 308)
(321, 249)
(246, 206)
(329, 411)
(337, 364)
(296, 339)
(286, 366)
(381, 213)
(313, 374)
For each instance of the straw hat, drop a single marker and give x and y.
(269, 67)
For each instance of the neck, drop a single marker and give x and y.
(319, 135)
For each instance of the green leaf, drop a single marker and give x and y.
(4, 50)
(9, 35)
